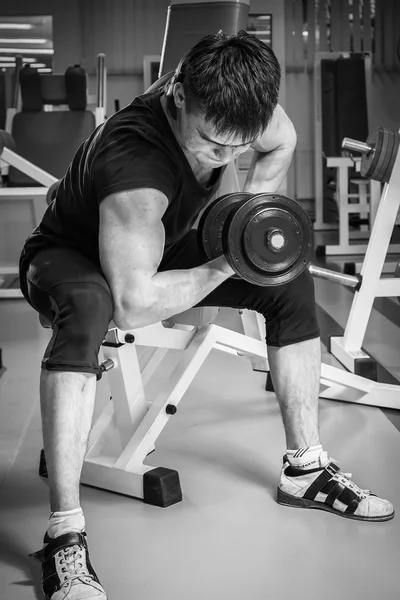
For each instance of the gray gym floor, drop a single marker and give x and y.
(227, 539)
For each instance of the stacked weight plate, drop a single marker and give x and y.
(266, 238)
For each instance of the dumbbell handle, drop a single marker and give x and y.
(353, 281)
(356, 146)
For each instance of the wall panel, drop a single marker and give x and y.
(124, 30)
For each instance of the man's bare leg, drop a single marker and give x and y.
(67, 404)
(296, 373)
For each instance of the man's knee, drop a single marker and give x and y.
(84, 309)
(82, 313)
(291, 316)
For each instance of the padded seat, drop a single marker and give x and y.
(194, 316)
(49, 140)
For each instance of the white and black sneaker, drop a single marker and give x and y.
(327, 488)
(67, 573)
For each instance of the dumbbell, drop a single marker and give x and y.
(379, 153)
(212, 221)
(267, 239)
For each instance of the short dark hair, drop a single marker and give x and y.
(234, 80)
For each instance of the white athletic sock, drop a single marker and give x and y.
(305, 458)
(65, 521)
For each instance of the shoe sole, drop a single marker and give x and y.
(288, 500)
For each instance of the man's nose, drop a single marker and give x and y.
(223, 153)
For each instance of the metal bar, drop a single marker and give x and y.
(353, 281)
(342, 189)
(100, 80)
(356, 146)
(18, 67)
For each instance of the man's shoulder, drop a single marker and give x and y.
(141, 121)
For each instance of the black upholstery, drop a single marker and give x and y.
(49, 140)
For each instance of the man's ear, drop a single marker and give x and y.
(179, 95)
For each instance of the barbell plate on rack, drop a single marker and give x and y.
(386, 152)
(268, 239)
(369, 161)
(212, 221)
(393, 156)
(397, 275)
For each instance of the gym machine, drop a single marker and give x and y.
(355, 206)
(36, 131)
(380, 161)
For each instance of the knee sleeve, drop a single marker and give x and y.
(81, 316)
(291, 313)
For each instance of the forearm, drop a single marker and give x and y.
(268, 170)
(172, 292)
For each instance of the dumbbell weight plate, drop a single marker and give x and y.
(397, 275)
(386, 152)
(370, 160)
(268, 240)
(396, 143)
(212, 221)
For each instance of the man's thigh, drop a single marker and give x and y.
(72, 293)
(55, 269)
(289, 309)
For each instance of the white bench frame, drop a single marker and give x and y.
(348, 348)
(127, 429)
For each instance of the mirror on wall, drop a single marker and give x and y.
(261, 26)
(30, 37)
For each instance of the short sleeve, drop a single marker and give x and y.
(125, 159)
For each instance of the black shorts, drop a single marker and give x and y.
(72, 292)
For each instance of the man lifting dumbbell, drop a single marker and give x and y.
(117, 243)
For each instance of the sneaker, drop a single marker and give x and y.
(327, 488)
(67, 573)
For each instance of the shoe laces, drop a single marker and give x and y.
(73, 564)
(345, 478)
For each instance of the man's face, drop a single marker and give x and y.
(199, 138)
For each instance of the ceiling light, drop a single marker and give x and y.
(12, 59)
(23, 40)
(27, 50)
(16, 26)
(38, 65)
(44, 70)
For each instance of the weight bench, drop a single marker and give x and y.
(129, 422)
(127, 428)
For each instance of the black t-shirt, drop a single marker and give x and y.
(134, 148)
